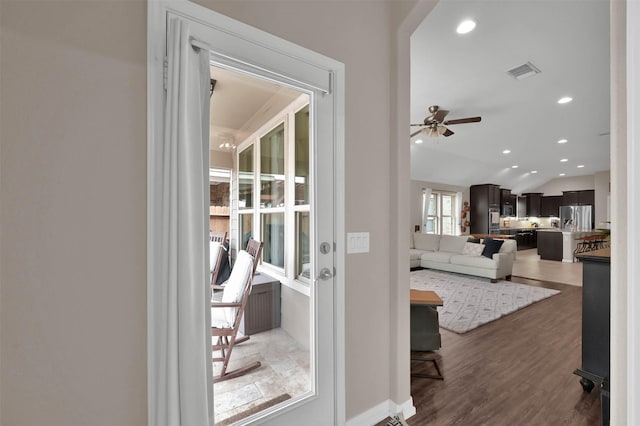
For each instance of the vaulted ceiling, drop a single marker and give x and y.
(568, 41)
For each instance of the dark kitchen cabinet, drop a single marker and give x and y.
(550, 205)
(586, 197)
(596, 324)
(574, 198)
(507, 203)
(534, 200)
(482, 198)
(549, 245)
(569, 198)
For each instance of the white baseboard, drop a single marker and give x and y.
(381, 411)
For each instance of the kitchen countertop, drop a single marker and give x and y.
(565, 231)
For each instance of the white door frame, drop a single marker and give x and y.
(316, 70)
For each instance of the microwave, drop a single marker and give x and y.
(507, 210)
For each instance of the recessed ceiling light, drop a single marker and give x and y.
(580, 166)
(534, 171)
(562, 174)
(506, 151)
(515, 166)
(564, 160)
(419, 141)
(563, 141)
(565, 100)
(466, 26)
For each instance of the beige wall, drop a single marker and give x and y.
(574, 183)
(73, 191)
(221, 159)
(73, 219)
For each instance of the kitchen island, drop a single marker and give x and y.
(560, 245)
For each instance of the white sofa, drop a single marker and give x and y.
(447, 253)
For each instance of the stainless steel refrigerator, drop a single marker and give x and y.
(576, 218)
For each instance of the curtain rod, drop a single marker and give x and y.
(245, 66)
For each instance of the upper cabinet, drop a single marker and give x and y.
(534, 200)
(572, 198)
(507, 203)
(550, 205)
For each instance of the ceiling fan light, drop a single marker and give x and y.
(441, 130)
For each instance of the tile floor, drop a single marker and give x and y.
(529, 265)
(284, 369)
(285, 363)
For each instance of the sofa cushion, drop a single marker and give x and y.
(473, 249)
(474, 261)
(426, 241)
(491, 247)
(438, 256)
(452, 244)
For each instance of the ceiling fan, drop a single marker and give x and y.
(434, 126)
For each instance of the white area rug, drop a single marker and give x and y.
(471, 301)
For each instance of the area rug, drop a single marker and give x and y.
(470, 302)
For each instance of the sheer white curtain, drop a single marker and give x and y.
(458, 208)
(180, 377)
(425, 208)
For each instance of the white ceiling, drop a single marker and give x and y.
(241, 104)
(465, 74)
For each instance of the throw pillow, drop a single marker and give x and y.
(473, 240)
(491, 247)
(473, 249)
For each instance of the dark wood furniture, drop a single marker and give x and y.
(549, 245)
(596, 320)
(263, 306)
(507, 203)
(425, 330)
(574, 198)
(482, 198)
(550, 205)
(534, 200)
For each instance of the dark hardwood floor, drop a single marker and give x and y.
(517, 370)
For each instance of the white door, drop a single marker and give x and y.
(244, 48)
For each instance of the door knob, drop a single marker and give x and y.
(325, 274)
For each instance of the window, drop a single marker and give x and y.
(274, 192)
(440, 217)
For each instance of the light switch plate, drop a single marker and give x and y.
(357, 242)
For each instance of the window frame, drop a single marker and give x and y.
(438, 218)
(288, 274)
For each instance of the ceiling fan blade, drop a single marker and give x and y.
(439, 115)
(447, 133)
(415, 133)
(417, 124)
(463, 120)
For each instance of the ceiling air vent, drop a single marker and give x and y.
(523, 71)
